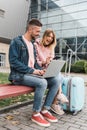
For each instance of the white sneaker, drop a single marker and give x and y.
(62, 98)
(57, 109)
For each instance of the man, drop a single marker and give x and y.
(22, 59)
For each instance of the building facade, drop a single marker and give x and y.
(68, 18)
(13, 20)
(4, 47)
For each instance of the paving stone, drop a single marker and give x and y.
(83, 128)
(81, 124)
(2, 123)
(68, 124)
(24, 127)
(11, 127)
(27, 129)
(72, 128)
(3, 128)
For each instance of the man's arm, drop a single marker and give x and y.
(15, 59)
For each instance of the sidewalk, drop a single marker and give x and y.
(20, 119)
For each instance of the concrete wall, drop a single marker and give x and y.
(13, 20)
(13, 17)
(4, 49)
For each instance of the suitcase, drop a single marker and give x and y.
(74, 89)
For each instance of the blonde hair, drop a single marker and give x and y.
(47, 33)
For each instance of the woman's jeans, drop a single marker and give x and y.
(40, 85)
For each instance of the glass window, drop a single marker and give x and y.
(33, 9)
(52, 5)
(2, 59)
(43, 5)
(48, 4)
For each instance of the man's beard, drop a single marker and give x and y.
(34, 37)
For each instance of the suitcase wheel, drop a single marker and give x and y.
(76, 112)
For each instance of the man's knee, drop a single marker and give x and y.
(43, 83)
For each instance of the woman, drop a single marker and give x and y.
(45, 53)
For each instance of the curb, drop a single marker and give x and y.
(15, 106)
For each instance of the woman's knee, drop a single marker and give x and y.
(56, 81)
(60, 77)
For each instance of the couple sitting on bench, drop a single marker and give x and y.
(25, 59)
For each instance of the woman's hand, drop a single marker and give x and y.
(48, 60)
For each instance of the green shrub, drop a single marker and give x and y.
(85, 66)
(77, 69)
(78, 66)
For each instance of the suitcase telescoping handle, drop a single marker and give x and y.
(68, 61)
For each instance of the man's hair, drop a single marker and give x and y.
(34, 22)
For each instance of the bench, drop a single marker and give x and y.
(9, 90)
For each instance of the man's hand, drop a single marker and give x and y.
(38, 72)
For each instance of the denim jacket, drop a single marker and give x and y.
(18, 59)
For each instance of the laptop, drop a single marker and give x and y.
(53, 69)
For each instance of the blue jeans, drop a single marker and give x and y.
(40, 85)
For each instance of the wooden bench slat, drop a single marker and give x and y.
(8, 90)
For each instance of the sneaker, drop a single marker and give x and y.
(57, 109)
(39, 119)
(49, 116)
(62, 98)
